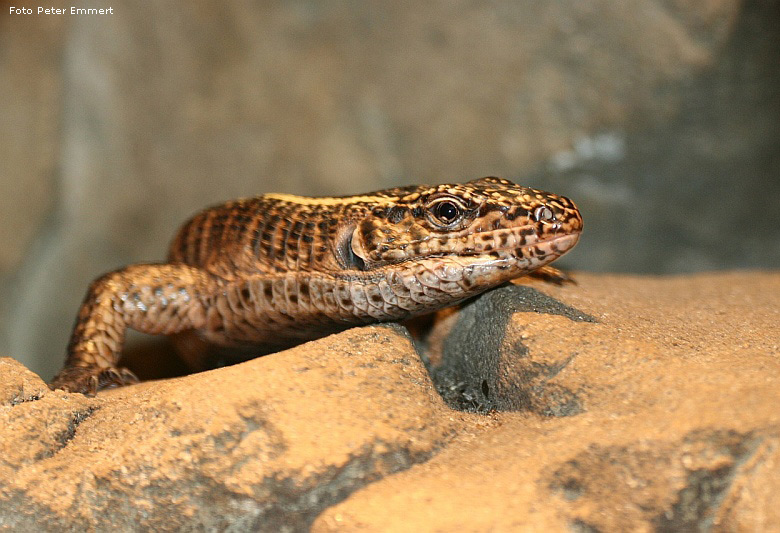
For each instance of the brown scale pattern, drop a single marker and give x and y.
(275, 270)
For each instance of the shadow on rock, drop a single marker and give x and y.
(486, 366)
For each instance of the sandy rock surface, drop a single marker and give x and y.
(619, 403)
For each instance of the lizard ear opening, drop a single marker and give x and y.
(345, 253)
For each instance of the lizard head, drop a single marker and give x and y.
(489, 222)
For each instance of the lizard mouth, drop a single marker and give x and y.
(351, 254)
(559, 244)
(555, 245)
(533, 255)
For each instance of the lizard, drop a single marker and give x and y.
(277, 270)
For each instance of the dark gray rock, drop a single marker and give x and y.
(486, 367)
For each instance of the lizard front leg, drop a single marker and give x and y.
(151, 298)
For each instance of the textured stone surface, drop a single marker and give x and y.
(658, 117)
(485, 364)
(677, 382)
(268, 444)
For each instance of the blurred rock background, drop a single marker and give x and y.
(660, 118)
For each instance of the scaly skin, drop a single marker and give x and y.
(277, 270)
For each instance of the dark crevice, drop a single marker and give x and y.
(278, 504)
(580, 526)
(62, 438)
(468, 378)
(20, 398)
(586, 482)
(298, 508)
(698, 501)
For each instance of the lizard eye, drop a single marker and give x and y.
(446, 212)
(543, 214)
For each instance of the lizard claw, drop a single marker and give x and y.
(89, 380)
(115, 377)
(552, 275)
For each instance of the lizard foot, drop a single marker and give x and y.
(89, 380)
(552, 275)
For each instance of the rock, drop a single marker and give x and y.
(677, 384)
(19, 385)
(267, 444)
(621, 403)
(485, 364)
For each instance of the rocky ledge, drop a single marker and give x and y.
(619, 403)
